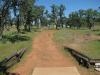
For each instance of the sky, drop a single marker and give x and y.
(71, 5)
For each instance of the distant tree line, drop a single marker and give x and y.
(83, 17)
(25, 13)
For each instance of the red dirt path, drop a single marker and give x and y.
(45, 53)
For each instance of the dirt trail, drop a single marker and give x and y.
(45, 53)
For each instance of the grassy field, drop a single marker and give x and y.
(83, 39)
(14, 41)
(92, 49)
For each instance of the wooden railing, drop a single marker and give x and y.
(83, 59)
(11, 60)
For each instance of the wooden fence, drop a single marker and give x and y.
(83, 59)
(11, 60)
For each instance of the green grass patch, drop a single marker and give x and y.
(91, 49)
(69, 36)
(13, 42)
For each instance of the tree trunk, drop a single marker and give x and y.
(39, 21)
(1, 32)
(25, 27)
(18, 28)
(29, 27)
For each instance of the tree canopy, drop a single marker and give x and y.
(26, 13)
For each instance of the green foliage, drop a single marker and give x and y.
(83, 18)
(54, 14)
(26, 13)
(15, 41)
(38, 15)
(74, 17)
(61, 14)
(57, 15)
(22, 10)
